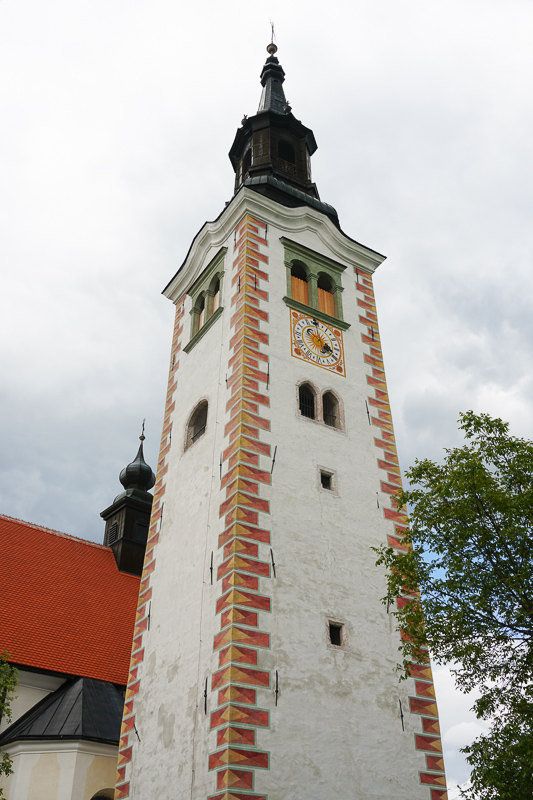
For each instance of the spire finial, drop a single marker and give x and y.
(142, 437)
(271, 47)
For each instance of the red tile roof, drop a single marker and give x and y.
(64, 606)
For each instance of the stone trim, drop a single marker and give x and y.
(202, 287)
(314, 264)
(203, 330)
(335, 322)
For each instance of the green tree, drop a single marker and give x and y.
(469, 556)
(8, 682)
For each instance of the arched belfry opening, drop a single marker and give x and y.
(299, 283)
(326, 299)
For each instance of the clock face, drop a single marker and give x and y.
(314, 341)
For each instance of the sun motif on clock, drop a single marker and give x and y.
(315, 341)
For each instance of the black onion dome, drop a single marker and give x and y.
(138, 475)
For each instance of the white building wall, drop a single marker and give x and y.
(60, 770)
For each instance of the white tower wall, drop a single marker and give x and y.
(286, 714)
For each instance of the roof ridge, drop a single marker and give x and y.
(52, 530)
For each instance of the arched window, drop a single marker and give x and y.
(306, 400)
(197, 423)
(330, 410)
(286, 152)
(326, 302)
(104, 794)
(216, 294)
(299, 285)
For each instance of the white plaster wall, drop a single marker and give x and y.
(336, 729)
(170, 717)
(60, 770)
(337, 724)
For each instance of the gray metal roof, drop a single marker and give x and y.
(83, 708)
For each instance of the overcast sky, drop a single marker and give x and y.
(117, 120)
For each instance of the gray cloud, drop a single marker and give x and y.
(118, 122)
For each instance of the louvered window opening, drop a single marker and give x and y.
(113, 532)
(300, 288)
(307, 403)
(326, 302)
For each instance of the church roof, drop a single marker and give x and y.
(83, 708)
(65, 606)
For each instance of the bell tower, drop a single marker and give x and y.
(263, 661)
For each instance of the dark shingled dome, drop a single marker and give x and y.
(137, 475)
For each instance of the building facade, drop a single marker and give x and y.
(263, 661)
(66, 624)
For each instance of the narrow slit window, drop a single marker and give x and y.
(307, 401)
(335, 634)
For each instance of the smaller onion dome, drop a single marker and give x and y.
(138, 475)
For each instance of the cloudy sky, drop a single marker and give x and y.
(117, 120)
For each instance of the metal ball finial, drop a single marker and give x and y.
(271, 48)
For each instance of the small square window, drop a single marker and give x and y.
(336, 633)
(325, 480)
(328, 480)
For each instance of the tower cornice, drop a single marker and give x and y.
(212, 236)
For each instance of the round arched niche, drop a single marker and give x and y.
(104, 794)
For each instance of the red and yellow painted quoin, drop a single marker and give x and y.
(424, 703)
(242, 602)
(129, 731)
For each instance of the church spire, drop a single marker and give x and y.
(271, 152)
(272, 77)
